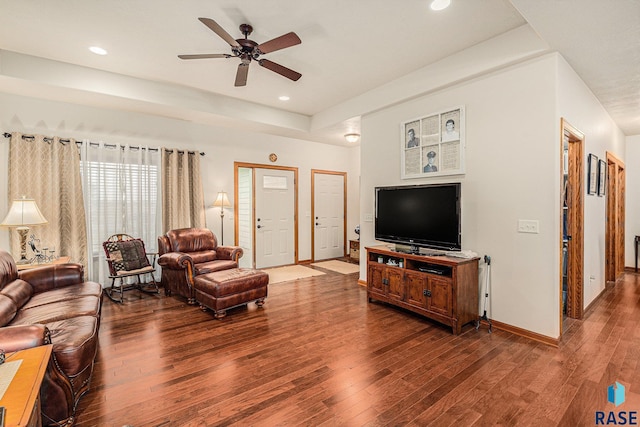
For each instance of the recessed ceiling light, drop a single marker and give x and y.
(98, 50)
(440, 4)
(284, 98)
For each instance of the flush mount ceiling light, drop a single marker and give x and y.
(284, 98)
(98, 50)
(440, 4)
(352, 137)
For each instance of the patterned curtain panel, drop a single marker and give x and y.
(182, 198)
(48, 171)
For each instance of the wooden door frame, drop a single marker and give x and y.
(313, 210)
(575, 188)
(615, 218)
(236, 166)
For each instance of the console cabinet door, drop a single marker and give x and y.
(395, 281)
(416, 289)
(376, 278)
(441, 299)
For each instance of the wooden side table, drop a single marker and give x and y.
(22, 398)
(59, 260)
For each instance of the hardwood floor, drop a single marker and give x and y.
(318, 354)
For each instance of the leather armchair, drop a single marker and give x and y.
(188, 252)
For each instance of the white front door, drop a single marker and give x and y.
(274, 217)
(329, 214)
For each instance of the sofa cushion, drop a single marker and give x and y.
(65, 294)
(55, 311)
(8, 269)
(19, 291)
(8, 310)
(127, 255)
(74, 342)
(217, 265)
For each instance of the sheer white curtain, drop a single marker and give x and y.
(121, 187)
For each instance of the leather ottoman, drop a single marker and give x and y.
(225, 289)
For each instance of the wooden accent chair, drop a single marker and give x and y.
(127, 258)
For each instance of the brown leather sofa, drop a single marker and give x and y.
(188, 252)
(52, 304)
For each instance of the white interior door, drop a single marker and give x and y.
(274, 217)
(329, 215)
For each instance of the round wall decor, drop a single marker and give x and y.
(273, 157)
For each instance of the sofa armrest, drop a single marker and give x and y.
(233, 253)
(14, 338)
(53, 276)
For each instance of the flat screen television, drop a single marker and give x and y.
(419, 216)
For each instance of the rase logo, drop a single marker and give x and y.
(615, 395)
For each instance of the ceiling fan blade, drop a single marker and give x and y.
(241, 75)
(287, 40)
(205, 56)
(213, 26)
(280, 69)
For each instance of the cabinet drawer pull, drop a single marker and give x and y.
(426, 292)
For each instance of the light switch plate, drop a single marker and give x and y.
(368, 217)
(528, 226)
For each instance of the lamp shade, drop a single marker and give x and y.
(222, 201)
(23, 212)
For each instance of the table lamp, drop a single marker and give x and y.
(222, 201)
(23, 213)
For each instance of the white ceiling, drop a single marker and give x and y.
(349, 47)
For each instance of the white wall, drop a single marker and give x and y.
(511, 173)
(632, 175)
(222, 146)
(578, 105)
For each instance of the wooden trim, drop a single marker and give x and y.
(254, 166)
(554, 342)
(313, 209)
(362, 282)
(615, 218)
(575, 201)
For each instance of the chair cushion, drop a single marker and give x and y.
(127, 255)
(217, 265)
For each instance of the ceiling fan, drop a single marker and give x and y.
(248, 50)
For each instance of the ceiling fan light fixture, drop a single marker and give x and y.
(352, 137)
(98, 50)
(440, 4)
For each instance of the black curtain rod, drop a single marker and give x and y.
(95, 144)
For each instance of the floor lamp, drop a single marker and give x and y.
(23, 213)
(222, 201)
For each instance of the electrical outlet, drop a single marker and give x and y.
(528, 226)
(368, 217)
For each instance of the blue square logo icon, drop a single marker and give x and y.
(615, 394)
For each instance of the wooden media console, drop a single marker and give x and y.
(441, 288)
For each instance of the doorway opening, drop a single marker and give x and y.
(572, 217)
(615, 217)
